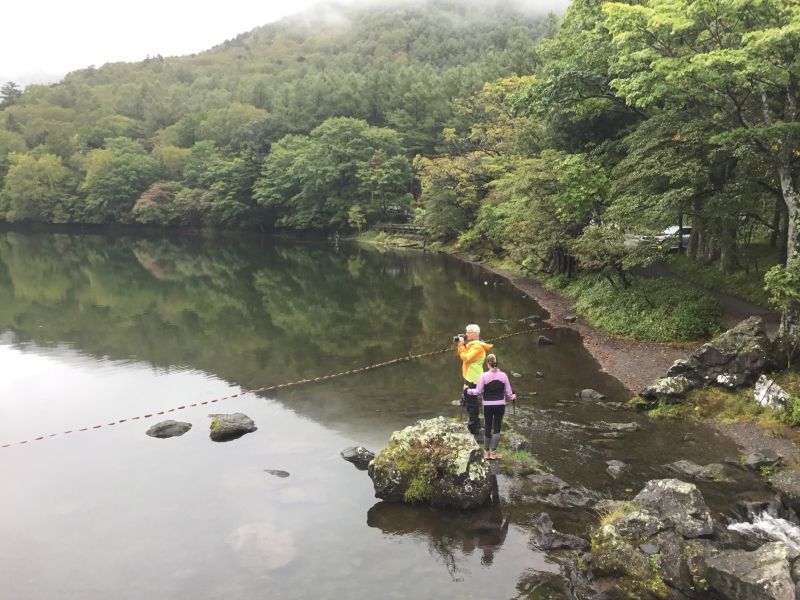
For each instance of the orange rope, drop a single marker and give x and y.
(266, 389)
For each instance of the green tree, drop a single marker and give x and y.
(9, 94)
(311, 182)
(115, 177)
(37, 188)
(738, 62)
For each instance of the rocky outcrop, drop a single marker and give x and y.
(168, 429)
(434, 461)
(734, 359)
(646, 548)
(764, 574)
(359, 456)
(226, 427)
(678, 504)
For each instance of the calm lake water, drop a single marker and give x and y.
(94, 329)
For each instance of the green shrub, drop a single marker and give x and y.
(650, 309)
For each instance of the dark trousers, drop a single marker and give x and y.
(472, 404)
(493, 418)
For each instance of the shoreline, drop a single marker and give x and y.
(636, 364)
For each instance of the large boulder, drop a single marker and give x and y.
(733, 359)
(433, 461)
(764, 574)
(678, 504)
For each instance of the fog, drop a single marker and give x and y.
(42, 41)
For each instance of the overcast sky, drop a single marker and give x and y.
(42, 40)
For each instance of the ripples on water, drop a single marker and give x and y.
(98, 328)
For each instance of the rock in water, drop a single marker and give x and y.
(358, 455)
(168, 429)
(589, 394)
(434, 461)
(230, 427)
(277, 473)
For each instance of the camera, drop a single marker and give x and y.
(459, 336)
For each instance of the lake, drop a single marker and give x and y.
(100, 329)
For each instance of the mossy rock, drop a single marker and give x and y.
(434, 461)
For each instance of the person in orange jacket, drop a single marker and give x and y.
(472, 352)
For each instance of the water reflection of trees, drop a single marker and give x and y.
(252, 312)
(447, 532)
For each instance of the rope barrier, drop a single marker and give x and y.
(261, 390)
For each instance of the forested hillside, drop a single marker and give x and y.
(350, 94)
(555, 146)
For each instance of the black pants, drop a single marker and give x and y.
(472, 405)
(493, 418)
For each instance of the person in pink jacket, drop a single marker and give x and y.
(496, 389)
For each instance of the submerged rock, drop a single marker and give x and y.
(552, 491)
(433, 461)
(761, 458)
(226, 427)
(359, 456)
(545, 341)
(589, 394)
(544, 537)
(686, 468)
(616, 427)
(168, 429)
(616, 468)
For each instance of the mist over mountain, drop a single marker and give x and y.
(189, 135)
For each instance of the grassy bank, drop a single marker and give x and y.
(715, 404)
(649, 309)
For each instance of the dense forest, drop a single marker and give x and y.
(295, 124)
(499, 131)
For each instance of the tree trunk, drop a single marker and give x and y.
(728, 257)
(789, 331)
(777, 219)
(697, 225)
